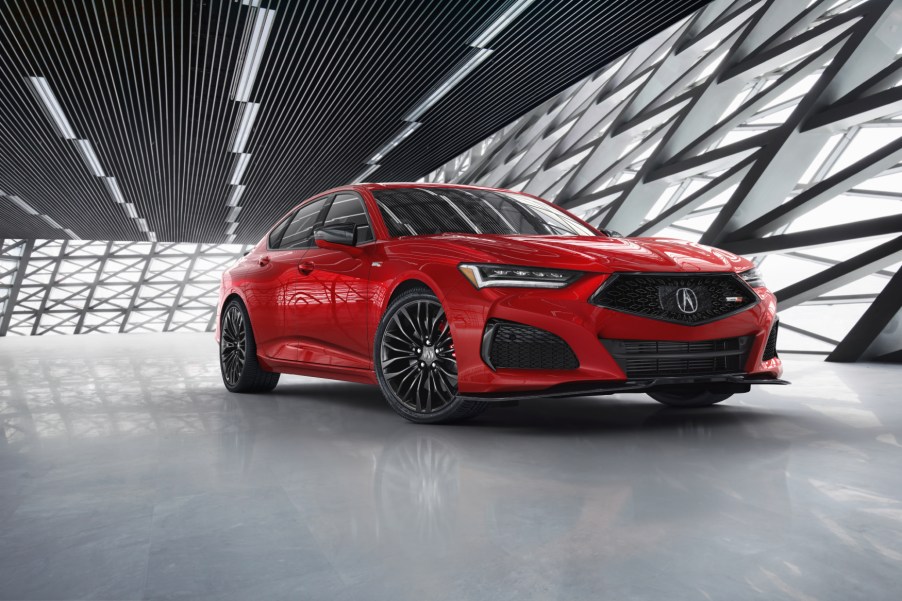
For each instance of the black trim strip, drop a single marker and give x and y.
(601, 388)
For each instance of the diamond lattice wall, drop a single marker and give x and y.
(770, 128)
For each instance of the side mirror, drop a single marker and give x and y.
(612, 234)
(344, 234)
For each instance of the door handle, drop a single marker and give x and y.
(264, 261)
(305, 267)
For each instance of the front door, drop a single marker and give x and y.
(330, 315)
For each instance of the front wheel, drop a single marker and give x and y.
(689, 397)
(416, 364)
(238, 353)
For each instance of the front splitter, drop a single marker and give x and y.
(643, 385)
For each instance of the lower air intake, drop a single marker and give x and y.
(508, 345)
(770, 348)
(663, 358)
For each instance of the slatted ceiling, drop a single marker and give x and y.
(397, 51)
(15, 218)
(150, 86)
(524, 53)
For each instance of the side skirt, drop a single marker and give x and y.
(317, 370)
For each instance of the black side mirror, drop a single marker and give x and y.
(342, 233)
(612, 233)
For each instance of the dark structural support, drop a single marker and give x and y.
(878, 334)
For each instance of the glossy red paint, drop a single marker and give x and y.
(315, 311)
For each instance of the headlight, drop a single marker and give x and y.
(752, 278)
(488, 276)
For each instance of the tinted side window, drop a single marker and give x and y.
(275, 236)
(349, 208)
(300, 232)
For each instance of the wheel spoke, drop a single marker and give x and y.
(407, 352)
(233, 345)
(404, 340)
(404, 370)
(392, 360)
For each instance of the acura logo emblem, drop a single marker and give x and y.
(686, 300)
(428, 355)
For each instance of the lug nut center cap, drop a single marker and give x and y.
(427, 355)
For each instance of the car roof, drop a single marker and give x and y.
(389, 185)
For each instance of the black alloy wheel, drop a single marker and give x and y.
(416, 363)
(241, 372)
(233, 347)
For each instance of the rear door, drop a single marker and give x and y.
(263, 287)
(281, 264)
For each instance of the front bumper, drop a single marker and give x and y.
(568, 314)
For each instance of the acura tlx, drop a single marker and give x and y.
(452, 298)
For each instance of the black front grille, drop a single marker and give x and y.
(656, 358)
(518, 346)
(770, 348)
(705, 297)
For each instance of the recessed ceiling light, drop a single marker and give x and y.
(54, 110)
(408, 129)
(245, 124)
(22, 204)
(465, 68)
(240, 166)
(254, 53)
(236, 195)
(112, 187)
(90, 157)
(500, 24)
(365, 174)
(51, 222)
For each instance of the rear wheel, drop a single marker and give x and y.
(689, 397)
(416, 364)
(238, 353)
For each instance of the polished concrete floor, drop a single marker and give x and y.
(127, 472)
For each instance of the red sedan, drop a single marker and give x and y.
(453, 297)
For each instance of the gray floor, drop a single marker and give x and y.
(127, 472)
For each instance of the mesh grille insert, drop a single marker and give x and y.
(518, 346)
(655, 358)
(687, 299)
(770, 348)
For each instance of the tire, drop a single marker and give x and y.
(241, 372)
(415, 362)
(692, 397)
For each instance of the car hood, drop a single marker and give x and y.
(583, 253)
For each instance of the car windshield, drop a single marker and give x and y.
(432, 210)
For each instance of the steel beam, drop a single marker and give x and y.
(877, 333)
